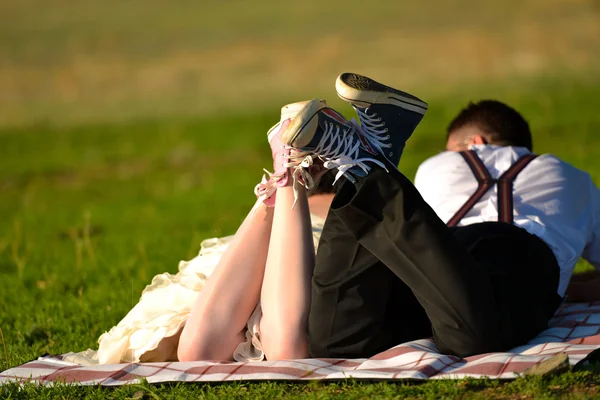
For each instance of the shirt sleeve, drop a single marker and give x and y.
(592, 249)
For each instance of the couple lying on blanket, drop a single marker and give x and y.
(478, 253)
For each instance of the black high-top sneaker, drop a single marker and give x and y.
(323, 132)
(388, 116)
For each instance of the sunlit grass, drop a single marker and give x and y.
(88, 214)
(130, 131)
(88, 61)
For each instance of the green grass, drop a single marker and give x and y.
(573, 385)
(89, 213)
(70, 62)
(131, 130)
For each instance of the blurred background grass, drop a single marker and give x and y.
(130, 130)
(70, 61)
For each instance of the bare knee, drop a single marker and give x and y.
(285, 350)
(195, 350)
(284, 345)
(198, 346)
(201, 352)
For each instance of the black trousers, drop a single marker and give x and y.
(388, 270)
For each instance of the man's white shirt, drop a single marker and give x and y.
(552, 200)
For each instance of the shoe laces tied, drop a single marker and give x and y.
(300, 163)
(374, 129)
(266, 189)
(267, 185)
(340, 150)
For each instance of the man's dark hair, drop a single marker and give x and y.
(502, 123)
(326, 185)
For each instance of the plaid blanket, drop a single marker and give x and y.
(575, 330)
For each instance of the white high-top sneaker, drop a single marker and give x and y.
(282, 160)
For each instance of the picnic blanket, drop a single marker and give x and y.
(574, 330)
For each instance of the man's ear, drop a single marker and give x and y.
(478, 139)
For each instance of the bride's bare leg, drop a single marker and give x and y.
(285, 295)
(218, 318)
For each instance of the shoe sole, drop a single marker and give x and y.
(364, 92)
(303, 126)
(288, 111)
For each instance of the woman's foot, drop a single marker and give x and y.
(286, 161)
(321, 132)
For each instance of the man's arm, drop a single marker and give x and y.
(584, 287)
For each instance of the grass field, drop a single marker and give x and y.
(71, 62)
(130, 131)
(91, 213)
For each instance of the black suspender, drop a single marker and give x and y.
(505, 188)
(485, 182)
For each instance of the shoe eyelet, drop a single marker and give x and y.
(385, 130)
(391, 154)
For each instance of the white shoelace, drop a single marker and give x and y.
(300, 163)
(344, 155)
(374, 129)
(267, 185)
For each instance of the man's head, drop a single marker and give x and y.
(325, 185)
(488, 122)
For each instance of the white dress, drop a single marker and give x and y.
(164, 307)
